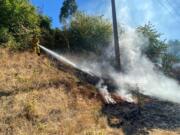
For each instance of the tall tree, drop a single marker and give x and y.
(156, 46)
(68, 8)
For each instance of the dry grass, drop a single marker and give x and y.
(38, 99)
(162, 132)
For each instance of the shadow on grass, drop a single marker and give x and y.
(2, 93)
(135, 120)
(37, 86)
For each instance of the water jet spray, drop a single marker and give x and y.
(87, 75)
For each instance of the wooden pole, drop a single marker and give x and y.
(116, 38)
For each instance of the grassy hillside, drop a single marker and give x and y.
(36, 98)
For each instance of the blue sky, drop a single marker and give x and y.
(164, 14)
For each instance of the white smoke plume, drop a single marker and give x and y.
(104, 92)
(140, 73)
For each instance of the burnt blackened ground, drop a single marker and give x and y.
(136, 120)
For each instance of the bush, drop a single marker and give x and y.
(86, 32)
(18, 20)
(4, 35)
(47, 38)
(158, 51)
(168, 60)
(156, 47)
(53, 39)
(7, 40)
(45, 22)
(60, 41)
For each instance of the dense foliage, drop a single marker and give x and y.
(19, 21)
(68, 9)
(45, 22)
(159, 51)
(90, 33)
(167, 61)
(54, 39)
(156, 46)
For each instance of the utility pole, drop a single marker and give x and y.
(116, 39)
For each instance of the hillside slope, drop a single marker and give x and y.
(36, 98)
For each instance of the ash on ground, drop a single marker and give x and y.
(137, 119)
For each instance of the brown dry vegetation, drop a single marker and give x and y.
(38, 99)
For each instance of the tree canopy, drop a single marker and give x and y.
(18, 21)
(156, 46)
(69, 8)
(89, 33)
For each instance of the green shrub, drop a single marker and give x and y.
(6, 39)
(156, 46)
(88, 33)
(53, 39)
(167, 61)
(45, 22)
(4, 35)
(60, 41)
(18, 20)
(47, 38)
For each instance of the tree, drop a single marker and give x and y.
(19, 20)
(156, 46)
(69, 8)
(168, 60)
(89, 33)
(45, 22)
(158, 51)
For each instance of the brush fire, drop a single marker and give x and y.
(135, 113)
